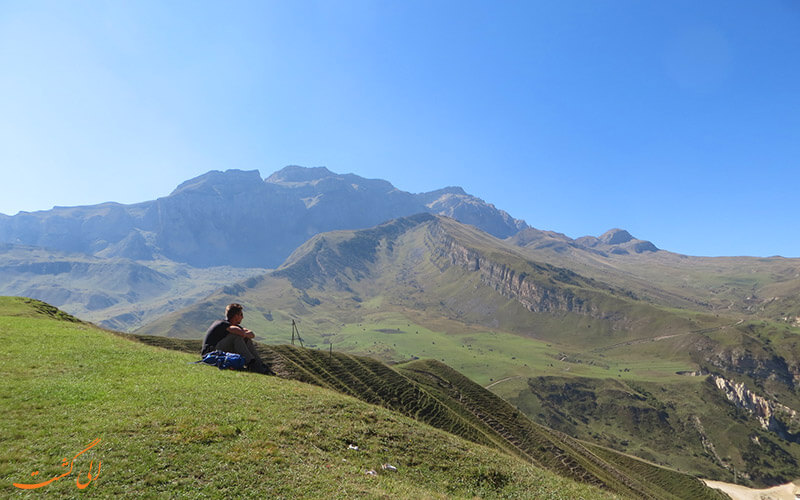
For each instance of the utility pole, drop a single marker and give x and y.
(296, 331)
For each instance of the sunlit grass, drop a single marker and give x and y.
(487, 356)
(170, 428)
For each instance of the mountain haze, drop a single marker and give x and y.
(211, 231)
(116, 293)
(237, 218)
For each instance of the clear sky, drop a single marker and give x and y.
(676, 120)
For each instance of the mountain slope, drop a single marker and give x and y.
(751, 286)
(435, 394)
(427, 286)
(558, 451)
(217, 434)
(440, 268)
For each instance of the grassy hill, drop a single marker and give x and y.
(434, 393)
(170, 428)
(430, 275)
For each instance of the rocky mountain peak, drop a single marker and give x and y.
(617, 242)
(216, 181)
(295, 174)
(432, 196)
(616, 237)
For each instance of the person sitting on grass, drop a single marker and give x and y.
(228, 335)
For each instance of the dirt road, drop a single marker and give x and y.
(736, 492)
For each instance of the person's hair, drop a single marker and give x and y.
(232, 310)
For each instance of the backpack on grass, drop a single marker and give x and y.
(224, 360)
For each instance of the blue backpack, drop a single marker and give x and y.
(224, 360)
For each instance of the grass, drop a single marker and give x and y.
(431, 392)
(489, 356)
(553, 449)
(170, 428)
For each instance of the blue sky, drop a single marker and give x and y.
(678, 121)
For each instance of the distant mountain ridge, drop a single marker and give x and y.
(115, 293)
(237, 218)
(614, 241)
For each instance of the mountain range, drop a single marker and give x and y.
(236, 218)
(690, 362)
(122, 266)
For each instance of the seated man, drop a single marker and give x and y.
(229, 336)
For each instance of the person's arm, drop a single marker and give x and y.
(240, 331)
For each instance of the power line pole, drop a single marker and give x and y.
(296, 331)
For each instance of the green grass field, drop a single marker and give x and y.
(489, 356)
(172, 429)
(434, 393)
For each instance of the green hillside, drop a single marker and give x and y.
(429, 287)
(553, 449)
(436, 282)
(170, 428)
(431, 392)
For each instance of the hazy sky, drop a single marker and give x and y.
(678, 121)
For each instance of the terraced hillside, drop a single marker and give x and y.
(557, 451)
(433, 393)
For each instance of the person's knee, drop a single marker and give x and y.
(235, 343)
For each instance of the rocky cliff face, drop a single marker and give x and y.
(543, 289)
(772, 416)
(766, 366)
(456, 204)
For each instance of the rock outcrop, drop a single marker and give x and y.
(540, 288)
(765, 366)
(772, 416)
